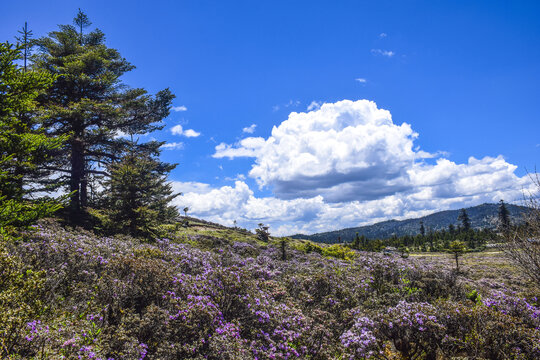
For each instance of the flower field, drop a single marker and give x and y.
(223, 294)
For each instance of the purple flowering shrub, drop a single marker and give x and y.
(360, 341)
(410, 329)
(482, 331)
(84, 296)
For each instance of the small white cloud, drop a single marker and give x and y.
(172, 146)
(386, 53)
(179, 108)
(191, 133)
(179, 130)
(383, 35)
(250, 129)
(248, 147)
(361, 80)
(315, 105)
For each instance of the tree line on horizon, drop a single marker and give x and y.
(441, 240)
(68, 123)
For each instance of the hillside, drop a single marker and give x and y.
(482, 216)
(211, 292)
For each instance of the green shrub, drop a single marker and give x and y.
(339, 252)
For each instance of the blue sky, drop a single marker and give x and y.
(460, 79)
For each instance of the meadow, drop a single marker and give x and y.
(207, 292)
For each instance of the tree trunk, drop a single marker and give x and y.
(84, 191)
(77, 173)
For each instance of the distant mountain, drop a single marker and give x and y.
(482, 216)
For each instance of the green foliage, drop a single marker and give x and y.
(312, 247)
(262, 233)
(457, 248)
(475, 297)
(404, 252)
(504, 219)
(464, 218)
(22, 146)
(21, 291)
(339, 252)
(137, 195)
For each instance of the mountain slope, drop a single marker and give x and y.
(482, 216)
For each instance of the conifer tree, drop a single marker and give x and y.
(138, 196)
(364, 241)
(504, 219)
(21, 145)
(356, 242)
(283, 250)
(89, 103)
(457, 248)
(262, 232)
(465, 221)
(37, 179)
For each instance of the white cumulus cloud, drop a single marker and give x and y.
(346, 164)
(361, 80)
(348, 143)
(179, 130)
(352, 150)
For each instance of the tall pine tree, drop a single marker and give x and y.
(504, 219)
(465, 221)
(90, 104)
(22, 146)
